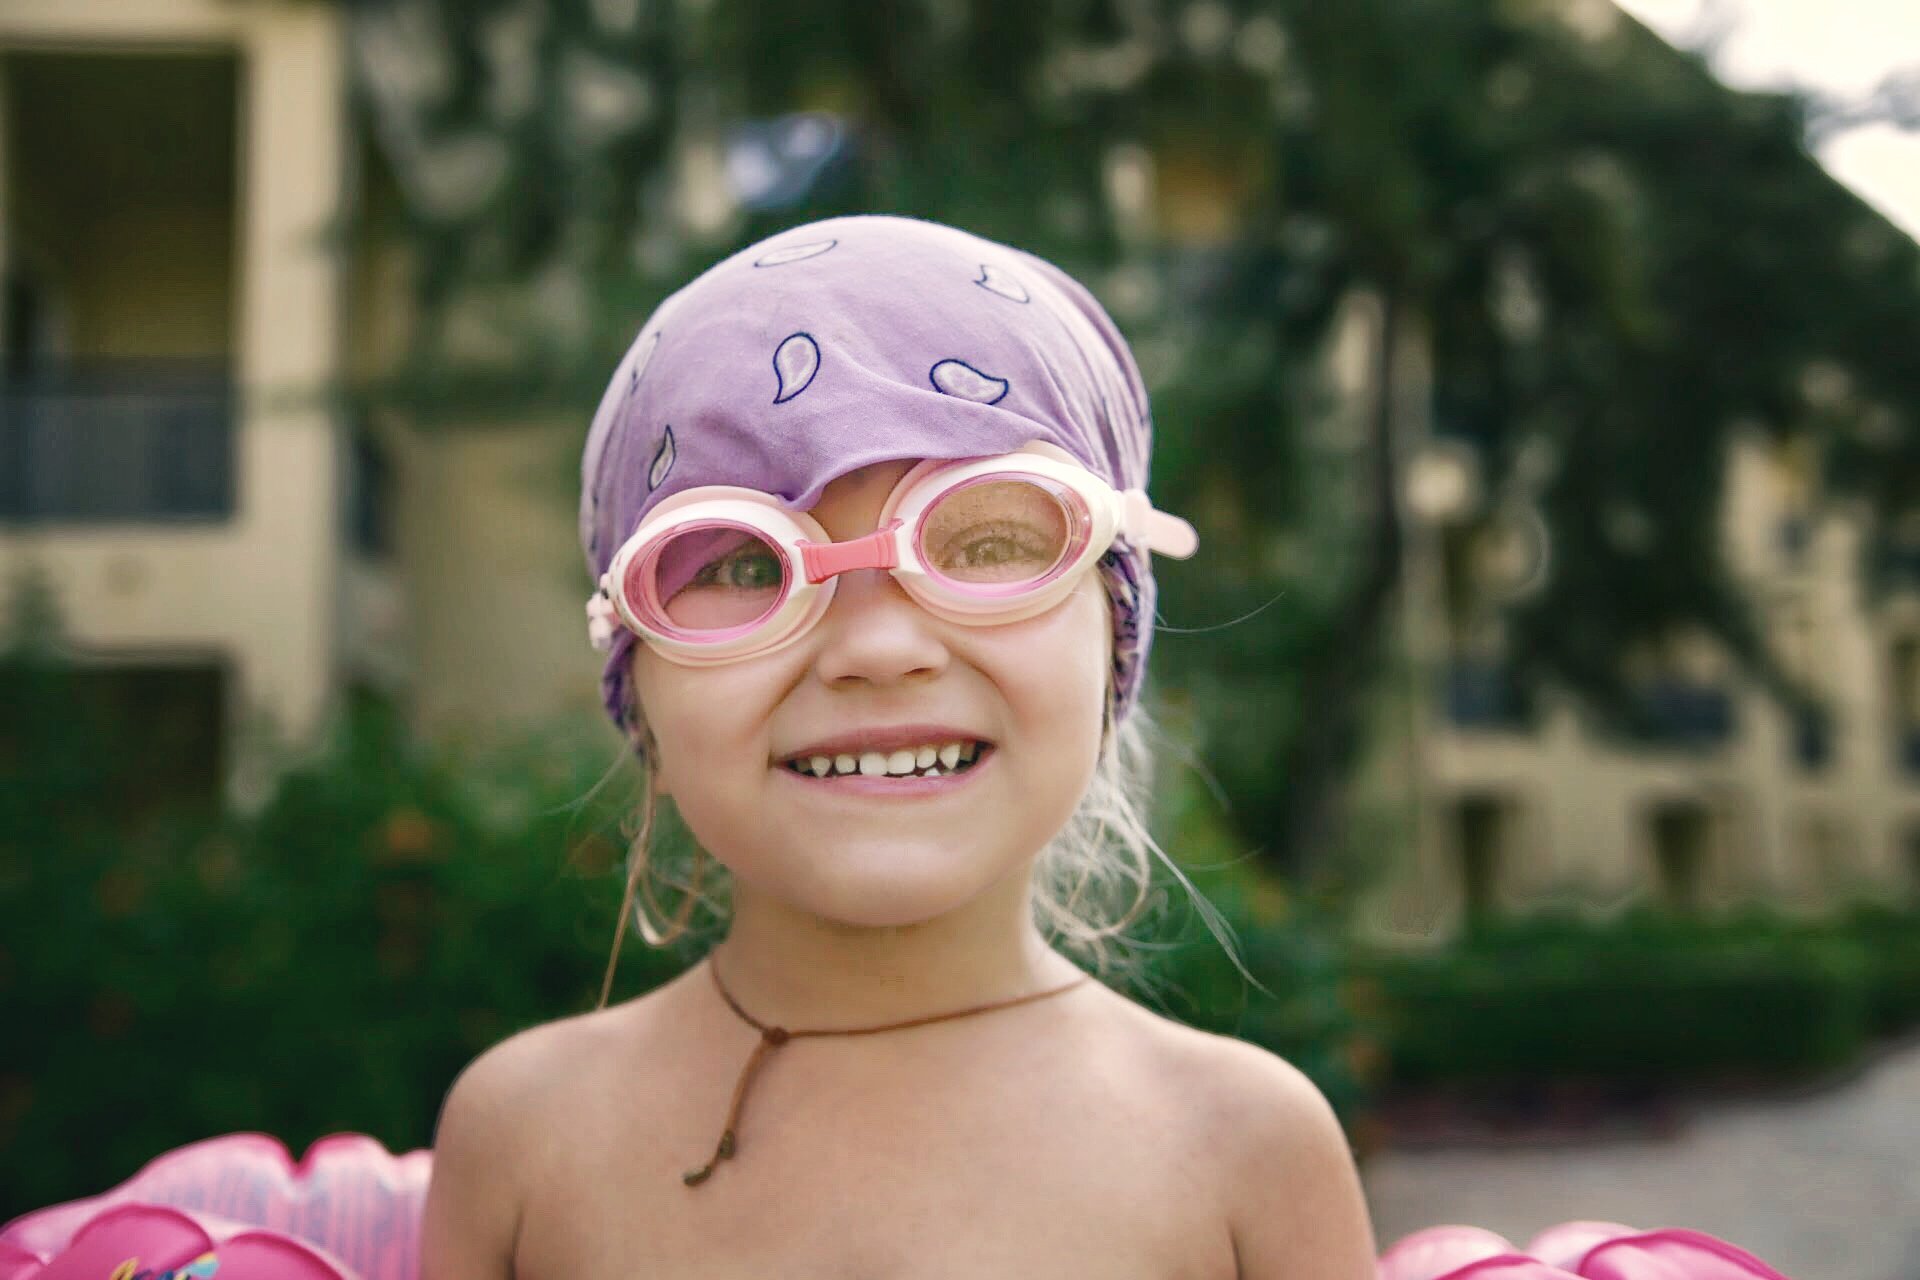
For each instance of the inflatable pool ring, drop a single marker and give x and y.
(239, 1208)
(1588, 1250)
(153, 1242)
(348, 1210)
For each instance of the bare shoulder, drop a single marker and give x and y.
(518, 1091)
(1290, 1188)
(499, 1129)
(500, 1091)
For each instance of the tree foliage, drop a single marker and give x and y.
(1619, 265)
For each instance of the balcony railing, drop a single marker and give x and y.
(1482, 694)
(117, 440)
(1682, 713)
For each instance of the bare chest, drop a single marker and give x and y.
(890, 1168)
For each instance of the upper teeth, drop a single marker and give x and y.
(874, 764)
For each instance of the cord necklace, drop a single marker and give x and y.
(772, 1038)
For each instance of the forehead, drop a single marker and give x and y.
(875, 476)
(852, 501)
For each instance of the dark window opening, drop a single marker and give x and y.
(1680, 829)
(1904, 677)
(370, 497)
(1483, 826)
(1910, 850)
(1813, 739)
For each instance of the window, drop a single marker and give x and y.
(1684, 695)
(1910, 857)
(1681, 831)
(1904, 689)
(369, 496)
(1484, 827)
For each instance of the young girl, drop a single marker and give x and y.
(866, 506)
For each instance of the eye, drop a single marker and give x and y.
(996, 552)
(995, 531)
(989, 545)
(749, 567)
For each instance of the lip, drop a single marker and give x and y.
(887, 738)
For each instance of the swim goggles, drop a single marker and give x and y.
(720, 573)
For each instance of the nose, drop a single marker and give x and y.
(874, 633)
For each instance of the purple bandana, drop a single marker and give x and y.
(838, 344)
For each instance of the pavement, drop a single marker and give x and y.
(1822, 1184)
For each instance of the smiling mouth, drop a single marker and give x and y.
(930, 760)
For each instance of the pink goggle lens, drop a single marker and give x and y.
(710, 581)
(998, 535)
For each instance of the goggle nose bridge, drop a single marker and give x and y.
(877, 550)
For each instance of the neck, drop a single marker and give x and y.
(790, 968)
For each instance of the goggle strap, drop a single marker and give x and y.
(1158, 531)
(878, 550)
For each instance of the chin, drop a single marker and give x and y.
(887, 891)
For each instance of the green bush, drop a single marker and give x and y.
(1890, 940)
(1647, 998)
(329, 963)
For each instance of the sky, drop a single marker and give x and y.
(1841, 47)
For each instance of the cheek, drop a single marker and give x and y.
(700, 718)
(1092, 641)
(1057, 675)
(1061, 710)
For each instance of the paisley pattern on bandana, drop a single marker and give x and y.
(795, 362)
(958, 378)
(662, 461)
(1004, 283)
(942, 345)
(794, 253)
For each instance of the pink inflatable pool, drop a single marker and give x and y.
(1590, 1250)
(239, 1207)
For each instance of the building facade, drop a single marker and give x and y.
(168, 457)
(1506, 800)
(198, 248)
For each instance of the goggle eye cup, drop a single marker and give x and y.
(999, 535)
(709, 581)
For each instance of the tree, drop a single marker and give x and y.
(1619, 262)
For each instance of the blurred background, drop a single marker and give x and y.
(1543, 715)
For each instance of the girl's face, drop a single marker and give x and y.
(872, 851)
